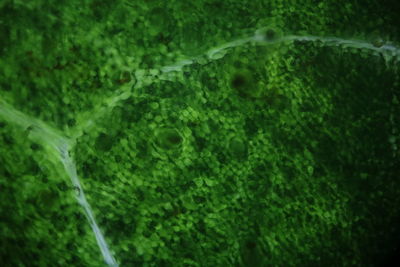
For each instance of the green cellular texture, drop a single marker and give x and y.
(199, 133)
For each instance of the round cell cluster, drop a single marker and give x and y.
(168, 139)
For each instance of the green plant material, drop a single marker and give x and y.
(199, 133)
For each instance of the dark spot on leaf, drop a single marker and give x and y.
(140, 195)
(8, 140)
(71, 122)
(250, 127)
(175, 139)
(199, 199)
(5, 87)
(32, 166)
(221, 158)
(104, 142)
(238, 81)
(133, 168)
(117, 158)
(132, 112)
(142, 147)
(62, 186)
(270, 35)
(35, 146)
(200, 143)
(251, 244)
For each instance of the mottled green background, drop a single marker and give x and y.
(278, 153)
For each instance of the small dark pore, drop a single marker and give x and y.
(251, 244)
(270, 35)
(238, 81)
(175, 139)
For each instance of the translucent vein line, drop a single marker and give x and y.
(345, 43)
(88, 119)
(388, 51)
(36, 128)
(39, 130)
(70, 168)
